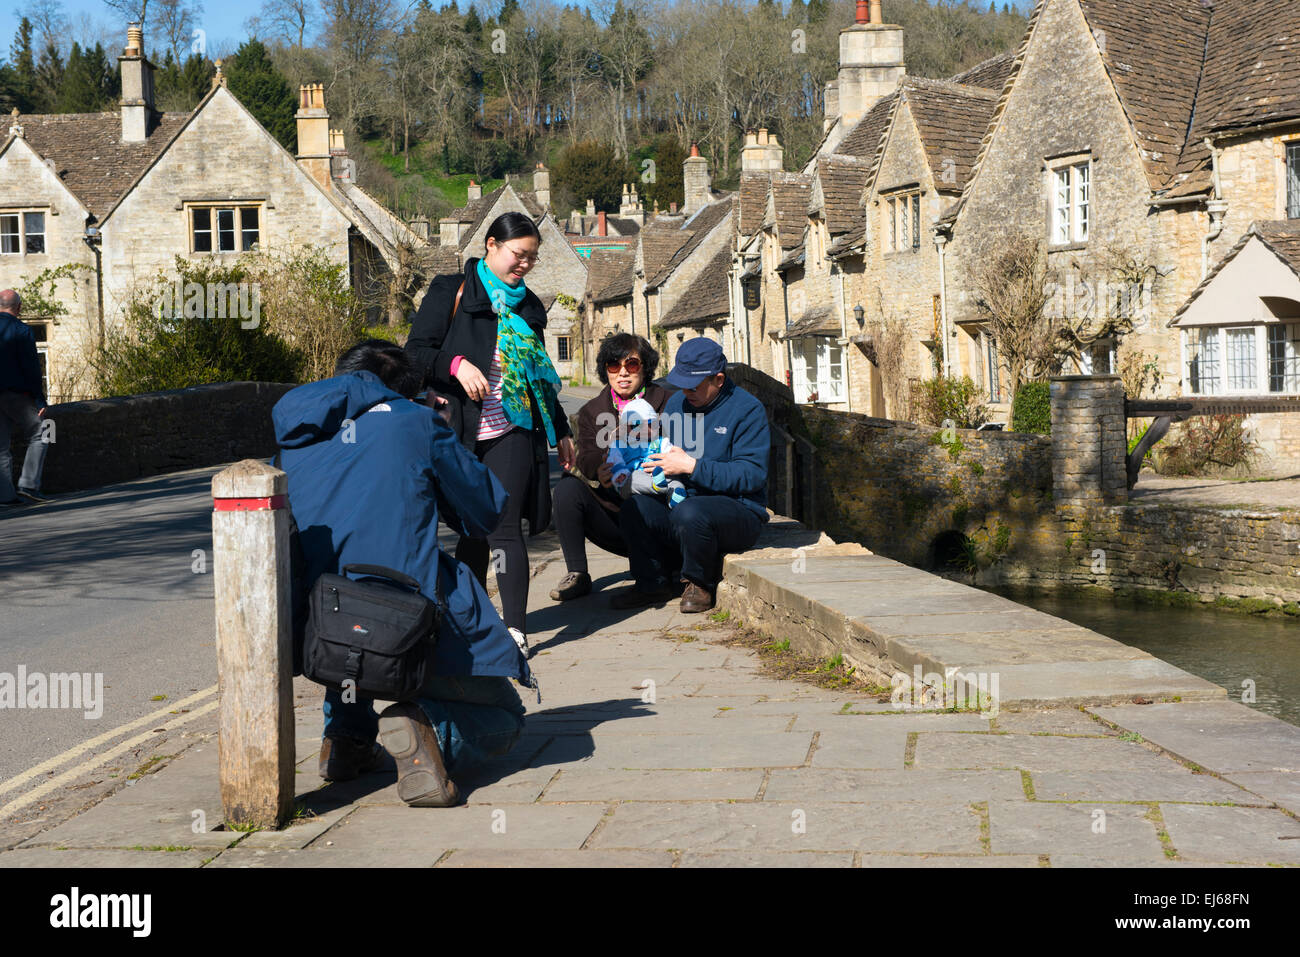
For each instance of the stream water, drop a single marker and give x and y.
(1228, 648)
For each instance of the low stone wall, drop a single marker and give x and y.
(102, 441)
(1003, 508)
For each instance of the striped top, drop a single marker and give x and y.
(493, 421)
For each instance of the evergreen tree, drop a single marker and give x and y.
(508, 9)
(798, 12)
(20, 90)
(264, 91)
(179, 88)
(589, 170)
(818, 10)
(49, 80)
(473, 25)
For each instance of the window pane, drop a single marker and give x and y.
(562, 348)
(995, 386)
(248, 227)
(1203, 361)
(1061, 205)
(1293, 181)
(9, 233)
(1083, 194)
(1284, 358)
(906, 230)
(1241, 359)
(226, 230)
(202, 230)
(34, 227)
(916, 222)
(893, 224)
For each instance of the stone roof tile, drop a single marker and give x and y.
(707, 298)
(952, 120)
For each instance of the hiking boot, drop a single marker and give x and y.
(695, 599)
(635, 597)
(407, 734)
(522, 641)
(343, 759)
(572, 585)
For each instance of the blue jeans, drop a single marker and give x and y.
(475, 718)
(18, 413)
(689, 540)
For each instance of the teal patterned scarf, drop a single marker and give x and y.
(527, 375)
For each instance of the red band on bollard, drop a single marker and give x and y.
(248, 504)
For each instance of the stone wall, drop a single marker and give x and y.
(1002, 507)
(102, 441)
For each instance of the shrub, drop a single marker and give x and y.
(1031, 411)
(159, 347)
(950, 399)
(1209, 442)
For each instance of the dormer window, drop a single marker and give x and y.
(224, 229)
(904, 211)
(1293, 180)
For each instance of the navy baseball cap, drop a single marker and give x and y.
(697, 359)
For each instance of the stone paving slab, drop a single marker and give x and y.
(767, 859)
(524, 857)
(904, 827)
(682, 751)
(950, 860)
(869, 787)
(1035, 753)
(1034, 828)
(1173, 785)
(891, 721)
(984, 650)
(1280, 787)
(118, 824)
(1233, 834)
(581, 784)
(423, 830)
(1221, 736)
(325, 856)
(94, 857)
(885, 748)
(1056, 721)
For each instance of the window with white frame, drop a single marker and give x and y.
(1098, 358)
(817, 370)
(1293, 180)
(224, 229)
(1260, 360)
(1071, 203)
(22, 232)
(993, 381)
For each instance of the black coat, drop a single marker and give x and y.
(437, 337)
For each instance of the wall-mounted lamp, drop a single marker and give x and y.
(859, 314)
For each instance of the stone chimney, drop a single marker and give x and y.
(420, 226)
(695, 180)
(474, 192)
(761, 153)
(451, 231)
(602, 228)
(314, 132)
(15, 128)
(871, 63)
(138, 113)
(542, 186)
(342, 166)
(832, 101)
(591, 207)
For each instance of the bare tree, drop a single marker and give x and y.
(49, 23)
(134, 10)
(287, 19)
(626, 54)
(175, 24)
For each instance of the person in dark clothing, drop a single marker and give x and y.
(369, 474)
(626, 364)
(477, 339)
(722, 443)
(22, 404)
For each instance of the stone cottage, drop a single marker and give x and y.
(121, 194)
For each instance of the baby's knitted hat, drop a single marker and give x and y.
(636, 412)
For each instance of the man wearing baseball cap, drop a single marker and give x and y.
(720, 448)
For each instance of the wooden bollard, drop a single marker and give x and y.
(250, 558)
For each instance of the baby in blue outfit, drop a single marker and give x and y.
(638, 439)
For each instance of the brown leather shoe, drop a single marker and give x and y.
(572, 585)
(634, 597)
(405, 731)
(695, 599)
(343, 759)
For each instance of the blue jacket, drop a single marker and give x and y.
(730, 441)
(368, 472)
(20, 370)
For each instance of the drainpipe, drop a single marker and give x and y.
(844, 343)
(941, 243)
(1217, 209)
(93, 238)
(789, 349)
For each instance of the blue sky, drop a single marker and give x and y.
(224, 21)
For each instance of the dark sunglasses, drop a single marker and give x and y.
(631, 364)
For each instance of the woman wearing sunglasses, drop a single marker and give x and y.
(478, 337)
(627, 365)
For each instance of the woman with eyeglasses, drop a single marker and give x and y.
(478, 337)
(627, 365)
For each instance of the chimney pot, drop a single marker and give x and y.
(672, 208)
(600, 224)
(876, 15)
(695, 149)
(134, 39)
(862, 15)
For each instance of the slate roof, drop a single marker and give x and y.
(864, 139)
(697, 228)
(952, 120)
(991, 74)
(790, 193)
(816, 321)
(444, 260)
(842, 180)
(610, 274)
(707, 298)
(659, 241)
(752, 201)
(89, 155)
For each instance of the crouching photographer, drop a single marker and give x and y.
(369, 473)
